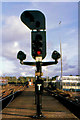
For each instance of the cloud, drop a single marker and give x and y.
(13, 29)
(26, 71)
(69, 49)
(71, 31)
(6, 66)
(67, 67)
(72, 66)
(14, 36)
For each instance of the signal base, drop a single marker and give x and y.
(39, 116)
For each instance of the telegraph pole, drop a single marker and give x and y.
(60, 49)
(61, 58)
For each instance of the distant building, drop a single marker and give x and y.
(63, 78)
(68, 83)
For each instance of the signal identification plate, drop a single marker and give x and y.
(38, 59)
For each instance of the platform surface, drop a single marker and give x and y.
(23, 107)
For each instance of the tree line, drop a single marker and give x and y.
(20, 80)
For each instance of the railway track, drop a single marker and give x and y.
(8, 94)
(71, 104)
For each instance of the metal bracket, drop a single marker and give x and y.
(42, 63)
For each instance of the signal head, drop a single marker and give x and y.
(33, 19)
(38, 44)
(21, 56)
(56, 55)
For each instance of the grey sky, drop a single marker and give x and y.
(16, 36)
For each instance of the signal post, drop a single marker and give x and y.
(38, 90)
(35, 21)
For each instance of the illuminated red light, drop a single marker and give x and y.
(38, 52)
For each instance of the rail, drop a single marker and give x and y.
(71, 103)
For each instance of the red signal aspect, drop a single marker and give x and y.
(38, 52)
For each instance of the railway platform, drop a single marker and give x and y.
(23, 107)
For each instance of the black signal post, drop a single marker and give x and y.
(35, 20)
(38, 91)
